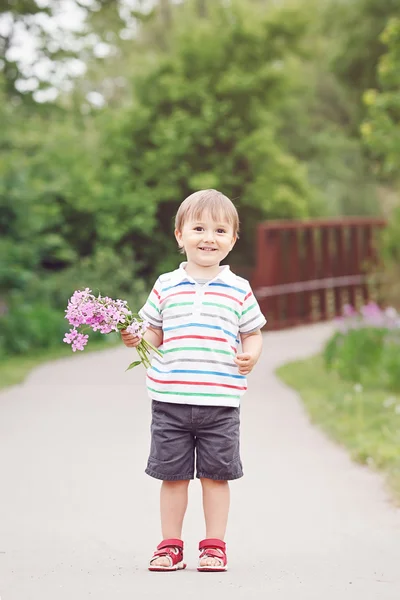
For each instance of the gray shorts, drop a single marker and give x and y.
(179, 431)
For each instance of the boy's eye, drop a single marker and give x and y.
(200, 228)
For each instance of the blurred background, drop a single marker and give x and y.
(113, 111)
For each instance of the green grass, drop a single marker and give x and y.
(365, 421)
(15, 369)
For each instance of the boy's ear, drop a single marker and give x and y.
(178, 237)
(234, 240)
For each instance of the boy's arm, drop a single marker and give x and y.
(251, 351)
(154, 336)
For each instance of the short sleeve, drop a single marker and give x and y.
(151, 311)
(251, 318)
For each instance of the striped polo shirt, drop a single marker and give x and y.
(201, 323)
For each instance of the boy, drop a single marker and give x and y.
(196, 315)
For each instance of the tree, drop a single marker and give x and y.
(13, 16)
(381, 130)
(204, 117)
(356, 28)
(53, 45)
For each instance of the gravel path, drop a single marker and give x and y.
(79, 518)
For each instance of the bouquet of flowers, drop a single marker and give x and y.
(104, 314)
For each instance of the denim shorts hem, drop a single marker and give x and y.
(169, 477)
(201, 475)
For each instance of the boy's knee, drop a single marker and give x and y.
(176, 484)
(213, 482)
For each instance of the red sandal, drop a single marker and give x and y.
(213, 548)
(171, 549)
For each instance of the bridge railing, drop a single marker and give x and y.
(307, 270)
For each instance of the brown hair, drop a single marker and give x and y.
(210, 201)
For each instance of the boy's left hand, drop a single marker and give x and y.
(245, 362)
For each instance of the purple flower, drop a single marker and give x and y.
(104, 314)
(133, 328)
(100, 313)
(349, 311)
(79, 342)
(372, 315)
(69, 337)
(369, 315)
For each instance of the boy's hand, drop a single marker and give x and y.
(245, 362)
(130, 340)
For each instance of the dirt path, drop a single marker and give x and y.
(79, 518)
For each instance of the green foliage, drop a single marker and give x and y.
(368, 356)
(381, 132)
(388, 269)
(240, 96)
(202, 118)
(382, 129)
(357, 354)
(316, 126)
(30, 327)
(390, 243)
(347, 46)
(356, 28)
(52, 240)
(391, 364)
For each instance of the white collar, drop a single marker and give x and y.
(225, 274)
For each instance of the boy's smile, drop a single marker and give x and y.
(206, 243)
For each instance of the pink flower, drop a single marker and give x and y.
(369, 315)
(349, 311)
(79, 342)
(373, 315)
(106, 315)
(69, 337)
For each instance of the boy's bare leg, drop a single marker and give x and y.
(216, 500)
(173, 504)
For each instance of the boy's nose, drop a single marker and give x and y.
(209, 236)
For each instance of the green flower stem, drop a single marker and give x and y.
(143, 351)
(144, 357)
(152, 347)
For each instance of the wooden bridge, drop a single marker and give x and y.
(307, 270)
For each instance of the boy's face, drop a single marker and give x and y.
(206, 242)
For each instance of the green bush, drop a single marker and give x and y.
(27, 328)
(391, 362)
(32, 317)
(366, 349)
(357, 354)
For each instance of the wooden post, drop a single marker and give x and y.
(326, 271)
(354, 250)
(266, 272)
(367, 257)
(293, 275)
(338, 268)
(310, 271)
